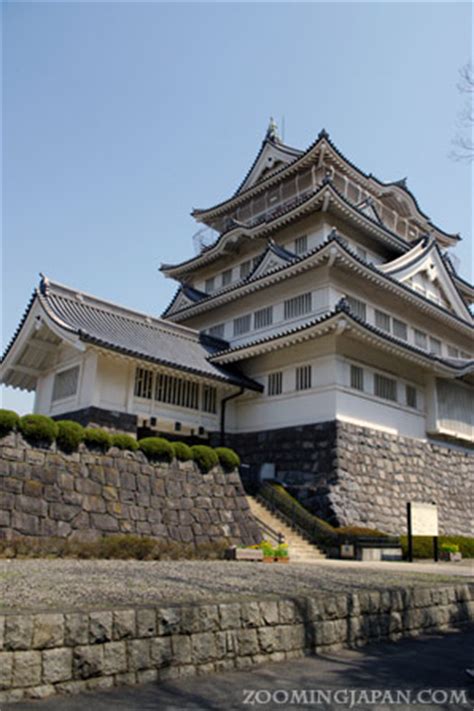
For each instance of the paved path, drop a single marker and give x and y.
(436, 662)
(464, 568)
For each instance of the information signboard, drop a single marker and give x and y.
(422, 520)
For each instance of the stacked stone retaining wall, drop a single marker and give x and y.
(84, 495)
(67, 653)
(355, 475)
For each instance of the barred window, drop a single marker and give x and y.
(385, 387)
(303, 377)
(357, 377)
(357, 307)
(218, 330)
(241, 325)
(400, 329)
(143, 383)
(435, 346)
(263, 317)
(177, 391)
(245, 268)
(275, 383)
(297, 306)
(421, 339)
(65, 383)
(210, 285)
(226, 277)
(382, 320)
(301, 244)
(453, 352)
(209, 399)
(410, 395)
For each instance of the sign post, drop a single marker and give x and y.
(422, 520)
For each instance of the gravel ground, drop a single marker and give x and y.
(68, 584)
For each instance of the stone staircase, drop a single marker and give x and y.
(300, 551)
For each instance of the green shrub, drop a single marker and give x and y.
(182, 451)
(281, 551)
(38, 429)
(9, 421)
(423, 545)
(205, 457)
(124, 441)
(450, 548)
(359, 531)
(228, 459)
(95, 438)
(70, 435)
(120, 545)
(156, 449)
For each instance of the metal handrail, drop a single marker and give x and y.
(276, 535)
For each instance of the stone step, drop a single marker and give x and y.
(300, 550)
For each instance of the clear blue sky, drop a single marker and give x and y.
(121, 117)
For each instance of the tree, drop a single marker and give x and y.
(463, 142)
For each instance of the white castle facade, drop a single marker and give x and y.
(325, 295)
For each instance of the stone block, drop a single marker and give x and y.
(115, 658)
(124, 624)
(39, 692)
(269, 612)
(18, 631)
(104, 522)
(25, 523)
(181, 649)
(26, 669)
(168, 620)
(248, 642)
(201, 618)
(146, 622)
(100, 627)
(48, 631)
(161, 651)
(229, 615)
(204, 647)
(6, 669)
(87, 661)
(76, 628)
(138, 654)
(57, 665)
(126, 679)
(250, 614)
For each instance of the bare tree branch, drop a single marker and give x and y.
(463, 141)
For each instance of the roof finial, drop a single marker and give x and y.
(272, 130)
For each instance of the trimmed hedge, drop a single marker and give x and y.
(182, 451)
(124, 441)
(38, 429)
(205, 457)
(157, 449)
(96, 438)
(423, 545)
(228, 459)
(70, 435)
(9, 421)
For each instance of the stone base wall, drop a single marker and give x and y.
(109, 419)
(352, 475)
(45, 654)
(85, 495)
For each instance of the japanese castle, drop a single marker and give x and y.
(318, 294)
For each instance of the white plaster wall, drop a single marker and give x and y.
(113, 383)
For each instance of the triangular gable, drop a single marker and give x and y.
(273, 257)
(184, 297)
(428, 269)
(368, 209)
(273, 155)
